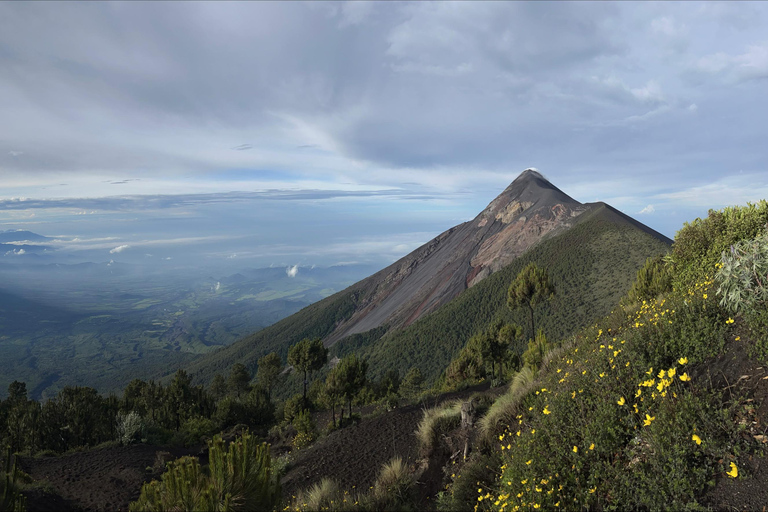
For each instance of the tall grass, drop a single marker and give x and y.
(434, 419)
(505, 407)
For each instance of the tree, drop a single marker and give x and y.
(411, 385)
(332, 394)
(530, 288)
(218, 387)
(269, 370)
(349, 375)
(308, 356)
(239, 379)
(509, 335)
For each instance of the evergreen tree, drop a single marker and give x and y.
(530, 287)
(269, 370)
(239, 380)
(308, 356)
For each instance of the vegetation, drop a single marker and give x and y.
(593, 264)
(238, 477)
(308, 356)
(622, 412)
(11, 499)
(530, 288)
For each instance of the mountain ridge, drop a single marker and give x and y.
(530, 210)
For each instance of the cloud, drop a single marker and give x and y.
(243, 147)
(15, 252)
(292, 271)
(647, 210)
(119, 249)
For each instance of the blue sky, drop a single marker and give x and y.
(318, 133)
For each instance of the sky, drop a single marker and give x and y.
(324, 133)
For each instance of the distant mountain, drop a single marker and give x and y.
(527, 213)
(21, 236)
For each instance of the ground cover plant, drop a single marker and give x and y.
(624, 413)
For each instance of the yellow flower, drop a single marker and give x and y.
(683, 360)
(546, 410)
(684, 377)
(592, 446)
(621, 401)
(648, 420)
(734, 472)
(524, 481)
(696, 439)
(529, 462)
(662, 374)
(737, 338)
(575, 449)
(730, 320)
(592, 490)
(671, 372)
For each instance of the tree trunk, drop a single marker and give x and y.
(333, 413)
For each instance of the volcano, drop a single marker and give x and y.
(528, 212)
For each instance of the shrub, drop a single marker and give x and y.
(743, 275)
(130, 427)
(435, 419)
(239, 477)
(393, 489)
(504, 409)
(652, 280)
(306, 430)
(11, 499)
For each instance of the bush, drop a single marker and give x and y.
(743, 275)
(194, 431)
(306, 430)
(11, 499)
(130, 427)
(652, 280)
(239, 477)
(434, 420)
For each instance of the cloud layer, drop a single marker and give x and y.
(448, 99)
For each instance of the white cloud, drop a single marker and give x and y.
(118, 249)
(292, 271)
(647, 210)
(16, 252)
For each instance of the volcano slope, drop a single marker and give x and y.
(529, 213)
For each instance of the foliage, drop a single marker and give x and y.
(434, 421)
(130, 427)
(412, 383)
(239, 380)
(308, 356)
(699, 244)
(306, 430)
(743, 275)
(537, 349)
(269, 370)
(653, 279)
(11, 499)
(531, 287)
(504, 409)
(349, 376)
(239, 477)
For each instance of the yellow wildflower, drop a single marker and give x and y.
(696, 439)
(684, 377)
(592, 446)
(734, 472)
(730, 320)
(529, 462)
(621, 401)
(575, 449)
(546, 410)
(671, 373)
(648, 420)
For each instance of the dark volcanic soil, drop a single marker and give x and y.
(742, 375)
(353, 456)
(101, 479)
